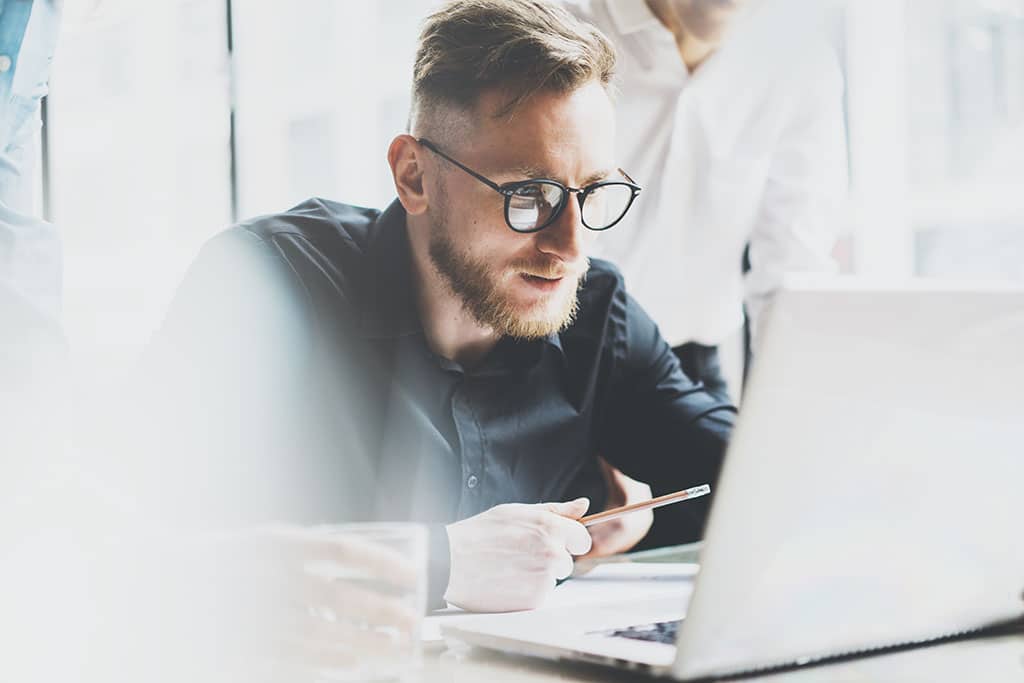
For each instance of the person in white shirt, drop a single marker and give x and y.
(734, 124)
(730, 114)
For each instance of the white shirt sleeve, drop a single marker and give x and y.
(797, 221)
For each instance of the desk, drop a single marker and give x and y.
(991, 660)
(983, 661)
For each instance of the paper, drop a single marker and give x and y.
(625, 581)
(615, 582)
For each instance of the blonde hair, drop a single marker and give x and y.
(521, 46)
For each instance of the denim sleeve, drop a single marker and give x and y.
(30, 252)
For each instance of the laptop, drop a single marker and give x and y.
(870, 499)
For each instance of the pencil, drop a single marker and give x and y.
(667, 499)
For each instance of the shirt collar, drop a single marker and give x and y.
(631, 16)
(389, 303)
(555, 340)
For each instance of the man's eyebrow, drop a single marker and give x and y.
(596, 177)
(531, 172)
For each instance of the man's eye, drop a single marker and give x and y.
(530, 191)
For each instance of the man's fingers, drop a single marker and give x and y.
(573, 509)
(573, 535)
(616, 493)
(350, 601)
(330, 552)
(578, 540)
(600, 534)
(603, 539)
(563, 565)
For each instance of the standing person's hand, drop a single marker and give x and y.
(509, 557)
(620, 535)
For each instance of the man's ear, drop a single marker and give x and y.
(406, 158)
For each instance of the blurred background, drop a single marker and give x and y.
(170, 119)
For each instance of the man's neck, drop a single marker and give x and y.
(692, 50)
(450, 331)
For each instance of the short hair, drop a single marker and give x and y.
(524, 46)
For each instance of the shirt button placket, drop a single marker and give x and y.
(472, 452)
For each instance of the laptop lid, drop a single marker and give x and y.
(872, 490)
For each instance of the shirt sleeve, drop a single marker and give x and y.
(232, 375)
(659, 426)
(798, 219)
(221, 400)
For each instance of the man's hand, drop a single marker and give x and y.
(619, 535)
(508, 558)
(313, 599)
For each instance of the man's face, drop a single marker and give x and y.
(521, 285)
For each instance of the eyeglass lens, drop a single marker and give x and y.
(534, 204)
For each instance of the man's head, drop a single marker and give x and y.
(512, 89)
(469, 47)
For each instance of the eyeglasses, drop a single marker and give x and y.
(532, 205)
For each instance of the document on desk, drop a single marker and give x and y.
(615, 582)
(623, 582)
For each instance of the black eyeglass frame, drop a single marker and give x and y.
(508, 190)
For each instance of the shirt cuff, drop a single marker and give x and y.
(438, 566)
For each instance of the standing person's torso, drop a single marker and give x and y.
(700, 144)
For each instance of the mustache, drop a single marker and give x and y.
(551, 269)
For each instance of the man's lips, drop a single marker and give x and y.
(542, 282)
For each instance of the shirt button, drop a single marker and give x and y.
(5, 64)
(472, 481)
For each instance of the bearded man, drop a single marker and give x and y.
(453, 359)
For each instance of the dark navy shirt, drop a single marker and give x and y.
(301, 334)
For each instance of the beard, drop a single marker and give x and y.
(477, 284)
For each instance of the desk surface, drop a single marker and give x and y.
(987, 660)
(994, 660)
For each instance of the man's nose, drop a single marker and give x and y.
(564, 238)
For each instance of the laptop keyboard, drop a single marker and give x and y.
(658, 632)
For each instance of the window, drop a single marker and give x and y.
(936, 110)
(140, 138)
(322, 88)
(138, 131)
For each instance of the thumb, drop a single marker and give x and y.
(573, 509)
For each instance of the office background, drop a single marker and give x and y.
(170, 119)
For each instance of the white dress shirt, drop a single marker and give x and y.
(749, 148)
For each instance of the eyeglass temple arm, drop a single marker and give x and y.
(433, 148)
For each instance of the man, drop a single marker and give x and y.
(736, 133)
(453, 359)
